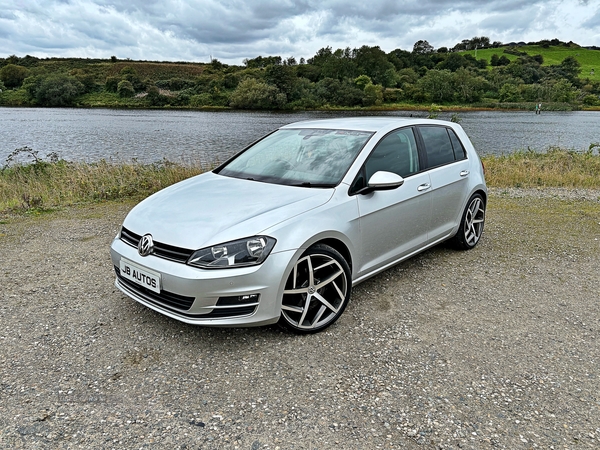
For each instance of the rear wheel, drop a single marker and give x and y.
(471, 224)
(317, 291)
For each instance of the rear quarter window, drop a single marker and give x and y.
(459, 149)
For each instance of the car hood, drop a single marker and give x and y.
(210, 209)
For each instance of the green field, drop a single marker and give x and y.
(554, 55)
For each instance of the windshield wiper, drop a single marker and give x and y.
(313, 185)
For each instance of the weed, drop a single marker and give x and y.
(41, 184)
(557, 167)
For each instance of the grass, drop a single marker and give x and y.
(557, 167)
(553, 55)
(46, 185)
(43, 186)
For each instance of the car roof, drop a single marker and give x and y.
(369, 123)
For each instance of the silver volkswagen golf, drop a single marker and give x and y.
(284, 229)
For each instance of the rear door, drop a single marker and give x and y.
(448, 169)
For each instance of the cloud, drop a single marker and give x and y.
(232, 30)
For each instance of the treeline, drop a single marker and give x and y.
(360, 77)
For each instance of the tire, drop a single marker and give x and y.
(317, 291)
(471, 224)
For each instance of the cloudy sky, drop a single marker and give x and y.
(231, 30)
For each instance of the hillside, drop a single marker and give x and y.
(553, 55)
(563, 76)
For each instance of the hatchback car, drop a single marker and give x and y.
(283, 230)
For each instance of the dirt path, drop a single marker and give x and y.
(493, 348)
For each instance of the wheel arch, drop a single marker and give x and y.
(483, 193)
(339, 246)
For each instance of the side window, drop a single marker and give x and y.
(437, 145)
(459, 150)
(397, 153)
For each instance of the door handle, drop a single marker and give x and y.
(423, 187)
(464, 173)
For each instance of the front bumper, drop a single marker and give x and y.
(245, 296)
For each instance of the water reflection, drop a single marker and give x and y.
(204, 136)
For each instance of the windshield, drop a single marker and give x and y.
(299, 157)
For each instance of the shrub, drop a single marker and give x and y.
(125, 89)
(178, 84)
(56, 90)
(362, 81)
(509, 93)
(112, 84)
(12, 75)
(200, 100)
(591, 100)
(155, 98)
(373, 94)
(136, 83)
(254, 94)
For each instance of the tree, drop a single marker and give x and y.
(362, 81)
(480, 42)
(373, 62)
(407, 76)
(373, 94)
(283, 77)
(535, 92)
(155, 98)
(525, 68)
(262, 61)
(12, 75)
(562, 91)
(335, 92)
(111, 84)
(571, 67)
(453, 62)
(87, 79)
(390, 78)
(422, 47)
(329, 64)
(468, 88)
(254, 94)
(509, 93)
(437, 85)
(125, 89)
(503, 61)
(58, 90)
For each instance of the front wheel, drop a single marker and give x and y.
(471, 224)
(317, 291)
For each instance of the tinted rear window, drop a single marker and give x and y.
(437, 145)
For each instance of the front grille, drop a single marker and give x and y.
(177, 303)
(161, 250)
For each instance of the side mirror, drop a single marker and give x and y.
(383, 181)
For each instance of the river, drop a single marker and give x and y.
(206, 136)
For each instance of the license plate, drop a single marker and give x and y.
(140, 275)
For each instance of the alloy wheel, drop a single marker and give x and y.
(474, 219)
(316, 291)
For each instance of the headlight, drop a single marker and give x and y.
(244, 252)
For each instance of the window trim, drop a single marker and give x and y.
(363, 171)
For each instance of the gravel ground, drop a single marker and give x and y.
(497, 347)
